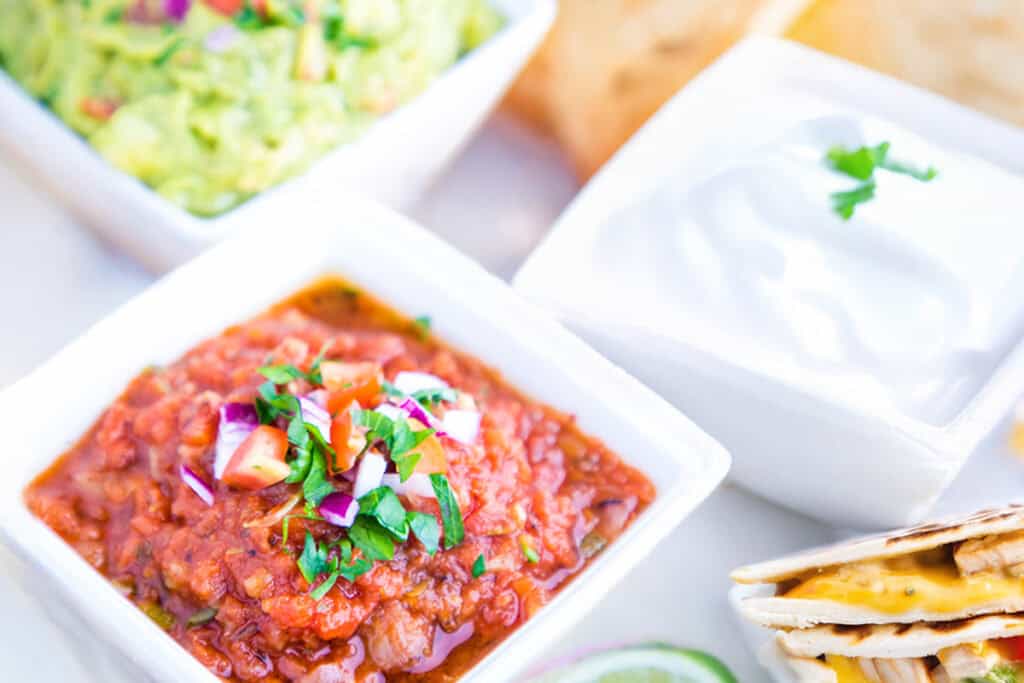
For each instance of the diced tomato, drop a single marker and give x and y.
(349, 382)
(228, 8)
(98, 108)
(432, 457)
(1013, 647)
(345, 453)
(259, 460)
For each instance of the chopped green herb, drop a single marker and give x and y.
(313, 561)
(383, 505)
(480, 566)
(451, 515)
(845, 203)
(281, 374)
(429, 397)
(314, 374)
(528, 552)
(861, 163)
(113, 16)
(391, 390)
(203, 616)
(424, 527)
(289, 518)
(406, 464)
(422, 324)
(158, 614)
(326, 585)
(165, 56)
(300, 465)
(372, 539)
(1004, 673)
(316, 486)
(248, 18)
(354, 570)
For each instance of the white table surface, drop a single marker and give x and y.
(494, 203)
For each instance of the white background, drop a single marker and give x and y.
(494, 203)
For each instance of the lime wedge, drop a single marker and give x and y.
(650, 663)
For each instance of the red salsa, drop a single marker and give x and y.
(328, 493)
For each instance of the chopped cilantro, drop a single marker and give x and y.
(166, 55)
(371, 539)
(845, 203)
(480, 566)
(383, 505)
(451, 515)
(313, 561)
(861, 164)
(113, 16)
(528, 552)
(248, 19)
(429, 397)
(1004, 673)
(326, 585)
(406, 464)
(422, 325)
(391, 390)
(281, 374)
(424, 527)
(316, 486)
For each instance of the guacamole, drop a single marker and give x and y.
(213, 101)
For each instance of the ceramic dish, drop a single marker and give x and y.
(392, 162)
(747, 138)
(471, 310)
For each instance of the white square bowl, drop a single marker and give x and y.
(416, 273)
(392, 162)
(805, 444)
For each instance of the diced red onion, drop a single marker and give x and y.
(391, 411)
(418, 484)
(339, 509)
(237, 421)
(461, 425)
(177, 10)
(221, 38)
(409, 382)
(316, 416)
(368, 476)
(414, 409)
(195, 482)
(319, 397)
(444, 643)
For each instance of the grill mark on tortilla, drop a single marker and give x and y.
(983, 516)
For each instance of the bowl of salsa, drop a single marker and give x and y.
(376, 463)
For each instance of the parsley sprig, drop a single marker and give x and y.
(395, 437)
(861, 164)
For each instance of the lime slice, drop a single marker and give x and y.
(651, 663)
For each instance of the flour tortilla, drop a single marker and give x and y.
(782, 612)
(897, 641)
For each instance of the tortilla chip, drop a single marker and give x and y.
(971, 51)
(609, 64)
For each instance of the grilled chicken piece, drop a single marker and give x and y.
(972, 660)
(902, 671)
(870, 671)
(990, 553)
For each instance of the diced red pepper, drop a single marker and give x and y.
(259, 461)
(98, 108)
(228, 8)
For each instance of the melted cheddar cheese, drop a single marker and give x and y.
(847, 670)
(905, 584)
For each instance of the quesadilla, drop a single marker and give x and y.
(936, 603)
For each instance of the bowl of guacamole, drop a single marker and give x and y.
(211, 102)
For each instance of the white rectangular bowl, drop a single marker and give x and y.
(827, 455)
(45, 413)
(393, 162)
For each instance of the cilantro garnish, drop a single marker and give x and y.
(451, 515)
(248, 19)
(430, 397)
(383, 505)
(424, 527)
(316, 487)
(372, 539)
(396, 436)
(861, 164)
(845, 203)
(406, 464)
(314, 559)
(480, 566)
(528, 552)
(422, 325)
